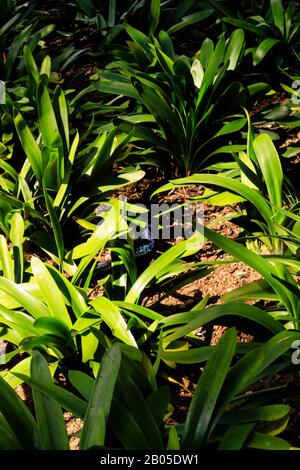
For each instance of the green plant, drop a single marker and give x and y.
(148, 14)
(47, 309)
(186, 99)
(12, 258)
(68, 144)
(257, 183)
(47, 430)
(16, 31)
(132, 412)
(166, 272)
(214, 403)
(278, 32)
(62, 321)
(242, 9)
(33, 314)
(275, 270)
(56, 181)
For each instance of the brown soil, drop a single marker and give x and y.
(74, 425)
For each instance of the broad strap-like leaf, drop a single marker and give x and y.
(271, 271)
(234, 48)
(236, 436)
(112, 316)
(207, 393)
(94, 430)
(140, 410)
(30, 146)
(154, 15)
(265, 442)
(271, 169)
(67, 400)
(229, 184)
(47, 119)
(18, 416)
(50, 422)
(160, 264)
(278, 15)
(248, 368)
(189, 20)
(57, 229)
(52, 295)
(262, 50)
(6, 259)
(185, 323)
(17, 238)
(29, 302)
(61, 114)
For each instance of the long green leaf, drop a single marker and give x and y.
(196, 318)
(50, 421)
(6, 260)
(47, 120)
(82, 382)
(161, 264)
(67, 400)
(270, 166)
(57, 230)
(141, 412)
(61, 114)
(278, 15)
(189, 20)
(269, 270)
(245, 371)
(112, 316)
(229, 184)
(262, 50)
(8, 440)
(236, 436)
(51, 292)
(234, 48)
(17, 237)
(18, 416)
(154, 15)
(35, 307)
(30, 146)
(126, 428)
(93, 433)
(262, 441)
(30, 63)
(207, 392)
